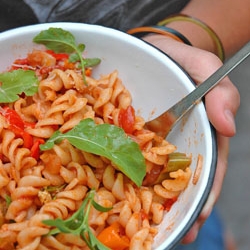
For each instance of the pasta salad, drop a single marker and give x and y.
(78, 170)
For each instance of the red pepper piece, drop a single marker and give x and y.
(127, 119)
(169, 203)
(58, 56)
(27, 138)
(152, 176)
(17, 125)
(20, 63)
(12, 116)
(88, 72)
(114, 237)
(35, 151)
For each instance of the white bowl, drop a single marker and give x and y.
(156, 82)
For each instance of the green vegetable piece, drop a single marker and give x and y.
(77, 224)
(17, 82)
(106, 140)
(177, 161)
(62, 41)
(91, 62)
(58, 40)
(52, 189)
(163, 176)
(8, 200)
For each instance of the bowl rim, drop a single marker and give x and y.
(176, 240)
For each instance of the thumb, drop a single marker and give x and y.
(222, 104)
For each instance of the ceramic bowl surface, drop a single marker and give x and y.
(156, 82)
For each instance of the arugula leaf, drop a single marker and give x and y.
(106, 140)
(90, 62)
(59, 41)
(17, 82)
(77, 224)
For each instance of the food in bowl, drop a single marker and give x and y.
(76, 160)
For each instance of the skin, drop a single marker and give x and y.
(200, 61)
(228, 18)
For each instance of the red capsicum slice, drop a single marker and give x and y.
(17, 125)
(12, 116)
(35, 150)
(169, 203)
(114, 237)
(127, 119)
(58, 56)
(20, 63)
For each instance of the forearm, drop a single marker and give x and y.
(230, 20)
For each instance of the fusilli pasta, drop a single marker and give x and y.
(53, 183)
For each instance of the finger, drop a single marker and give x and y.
(222, 104)
(192, 234)
(194, 230)
(223, 101)
(222, 162)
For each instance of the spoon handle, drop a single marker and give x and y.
(181, 107)
(164, 123)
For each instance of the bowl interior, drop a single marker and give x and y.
(156, 82)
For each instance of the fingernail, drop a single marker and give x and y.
(230, 118)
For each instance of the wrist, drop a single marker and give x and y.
(159, 30)
(169, 46)
(195, 34)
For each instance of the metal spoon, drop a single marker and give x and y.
(163, 124)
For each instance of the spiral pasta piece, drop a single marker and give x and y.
(13, 150)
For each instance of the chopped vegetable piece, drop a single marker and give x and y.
(157, 174)
(17, 82)
(177, 161)
(12, 117)
(8, 199)
(35, 149)
(17, 125)
(58, 56)
(114, 237)
(152, 176)
(169, 203)
(127, 119)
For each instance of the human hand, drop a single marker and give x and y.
(221, 103)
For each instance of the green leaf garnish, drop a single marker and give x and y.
(106, 140)
(58, 40)
(52, 189)
(90, 62)
(17, 82)
(62, 41)
(77, 224)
